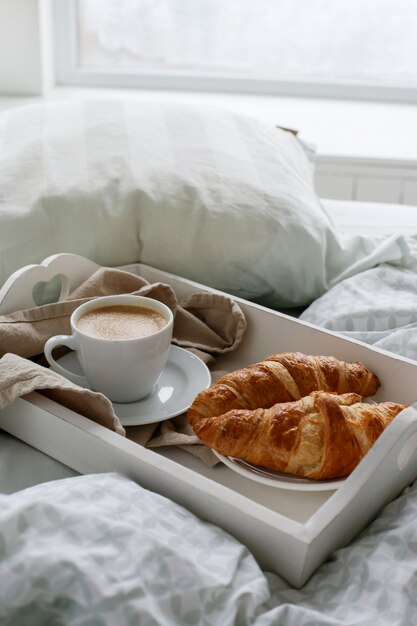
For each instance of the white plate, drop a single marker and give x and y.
(278, 479)
(184, 376)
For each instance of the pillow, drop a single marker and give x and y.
(199, 191)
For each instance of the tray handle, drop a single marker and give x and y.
(407, 452)
(19, 290)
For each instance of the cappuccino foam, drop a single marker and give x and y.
(121, 321)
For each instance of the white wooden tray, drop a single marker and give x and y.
(289, 532)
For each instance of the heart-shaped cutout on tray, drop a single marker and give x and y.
(46, 292)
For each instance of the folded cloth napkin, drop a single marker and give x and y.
(19, 376)
(206, 324)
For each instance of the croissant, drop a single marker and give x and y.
(281, 378)
(321, 436)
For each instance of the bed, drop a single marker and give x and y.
(101, 549)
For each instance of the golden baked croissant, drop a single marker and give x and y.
(321, 436)
(281, 378)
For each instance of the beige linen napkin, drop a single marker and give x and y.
(206, 324)
(19, 377)
(209, 323)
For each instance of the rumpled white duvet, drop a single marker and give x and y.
(378, 307)
(100, 550)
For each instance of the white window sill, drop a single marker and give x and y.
(340, 129)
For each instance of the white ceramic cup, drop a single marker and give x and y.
(124, 370)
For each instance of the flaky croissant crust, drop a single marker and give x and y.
(281, 378)
(321, 436)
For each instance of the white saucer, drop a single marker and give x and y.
(278, 479)
(184, 376)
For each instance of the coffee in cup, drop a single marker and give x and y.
(119, 322)
(122, 343)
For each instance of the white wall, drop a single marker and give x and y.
(24, 47)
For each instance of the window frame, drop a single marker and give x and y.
(69, 72)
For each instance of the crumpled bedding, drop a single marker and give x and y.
(101, 550)
(378, 307)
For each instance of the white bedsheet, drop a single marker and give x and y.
(377, 306)
(372, 218)
(100, 550)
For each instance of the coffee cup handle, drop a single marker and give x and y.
(69, 342)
